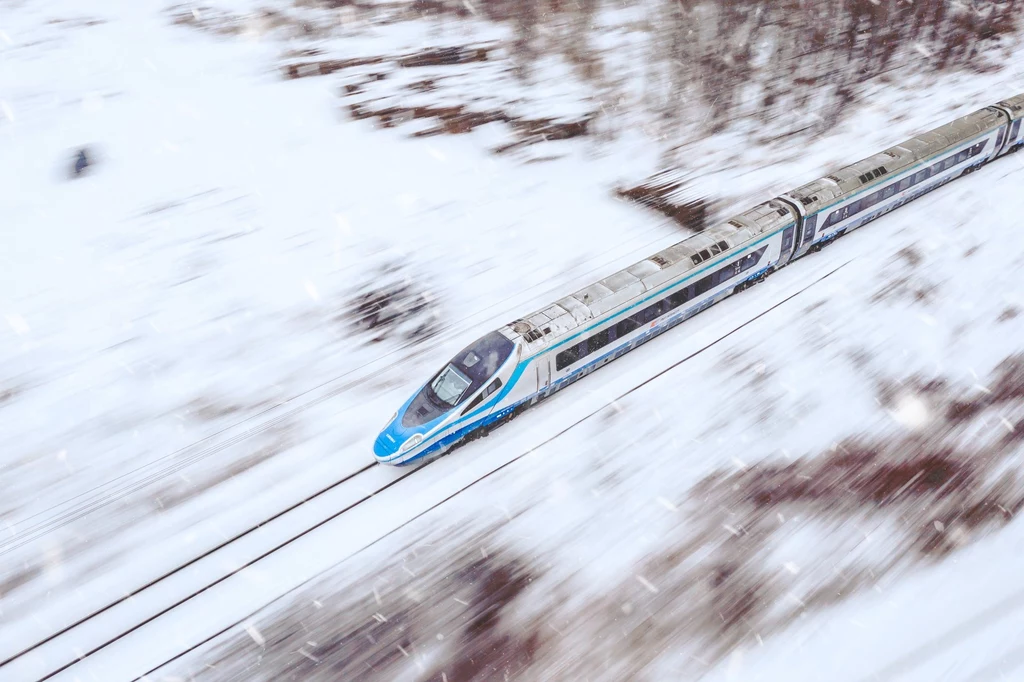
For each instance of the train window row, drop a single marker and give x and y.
(656, 310)
(864, 203)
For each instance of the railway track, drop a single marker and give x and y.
(57, 652)
(62, 642)
(23, 532)
(209, 595)
(190, 606)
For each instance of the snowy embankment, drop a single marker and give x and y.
(614, 534)
(197, 278)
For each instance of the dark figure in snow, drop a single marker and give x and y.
(81, 162)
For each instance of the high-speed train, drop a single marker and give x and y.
(524, 362)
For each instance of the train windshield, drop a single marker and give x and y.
(469, 370)
(450, 385)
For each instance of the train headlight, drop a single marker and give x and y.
(412, 442)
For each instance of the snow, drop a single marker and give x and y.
(174, 366)
(166, 296)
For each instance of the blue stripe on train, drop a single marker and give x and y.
(578, 373)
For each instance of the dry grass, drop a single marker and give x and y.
(430, 615)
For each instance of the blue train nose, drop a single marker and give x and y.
(385, 446)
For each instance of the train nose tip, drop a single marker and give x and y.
(385, 447)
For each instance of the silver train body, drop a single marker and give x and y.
(525, 362)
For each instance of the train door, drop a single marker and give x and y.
(543, 377)
(786, 251)
(806, 235)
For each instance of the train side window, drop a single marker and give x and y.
(473, 403)
(677, 299)
(1015, 129)
(750, 260)
(999, 137)
(567, 357)
(624, 327)
(905, 183)
(598, 341)
(889, 191)
(702, 286)
(962, 156)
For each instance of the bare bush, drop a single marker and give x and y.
(795, 59)
(394, 302)
(433, 615)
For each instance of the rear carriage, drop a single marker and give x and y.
(857, 194)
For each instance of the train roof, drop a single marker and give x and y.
(1014, 105)
(540, 328)
(849, 179)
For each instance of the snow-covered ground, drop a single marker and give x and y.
(178, 363)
